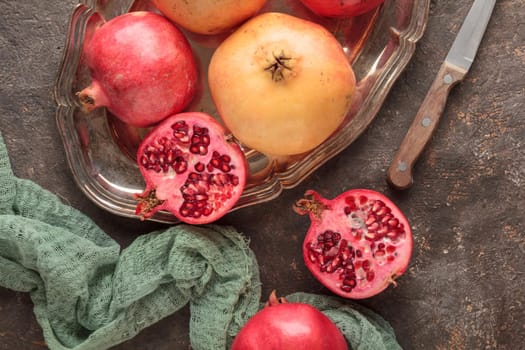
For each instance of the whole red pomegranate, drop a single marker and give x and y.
(142, 69)
(341, 8)
(208, 16)
(294, 326)
(281, 84)
(357, 244)
(190, 169)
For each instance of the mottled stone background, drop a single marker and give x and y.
(465, 288)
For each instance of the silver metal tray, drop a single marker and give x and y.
(100, 150)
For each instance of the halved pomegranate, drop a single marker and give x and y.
(357, 244)
(190, 168)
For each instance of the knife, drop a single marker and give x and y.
(452, 71)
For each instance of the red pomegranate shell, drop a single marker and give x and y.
(190, 168)
(357, 243)
(281, 325)
(142, 69)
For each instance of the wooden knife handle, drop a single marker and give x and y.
(399, 175)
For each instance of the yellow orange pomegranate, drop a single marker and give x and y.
(281, 84)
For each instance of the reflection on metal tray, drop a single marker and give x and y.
(100, 149)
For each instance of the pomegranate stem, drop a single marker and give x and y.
(310, 206)
(274, 300)
(147, 201)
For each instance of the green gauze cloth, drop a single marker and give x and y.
(88, 294)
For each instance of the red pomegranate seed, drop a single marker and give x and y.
(370, 276)
(393, 222)
(370, 220)
(380, 253)
(199, 167)
(383, 211)
(350, 200)
(391, 234)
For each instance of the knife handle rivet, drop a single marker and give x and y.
(402, 166)
(426, 122)
(447, 79)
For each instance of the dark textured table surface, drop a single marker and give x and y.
(465, 288)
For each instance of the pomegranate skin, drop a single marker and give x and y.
(142, 69)
(209, 17)
(281, 84)
(357, 244)
(341, 8)
(289, 326)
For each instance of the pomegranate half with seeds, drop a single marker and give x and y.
(357, 244)
(191, 169)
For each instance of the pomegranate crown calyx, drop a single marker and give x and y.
(280, 66)
(273, 300)
(310, 204)
(147, 202)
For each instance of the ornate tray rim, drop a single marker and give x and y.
(121, 204)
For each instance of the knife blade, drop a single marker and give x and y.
(453, 70)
